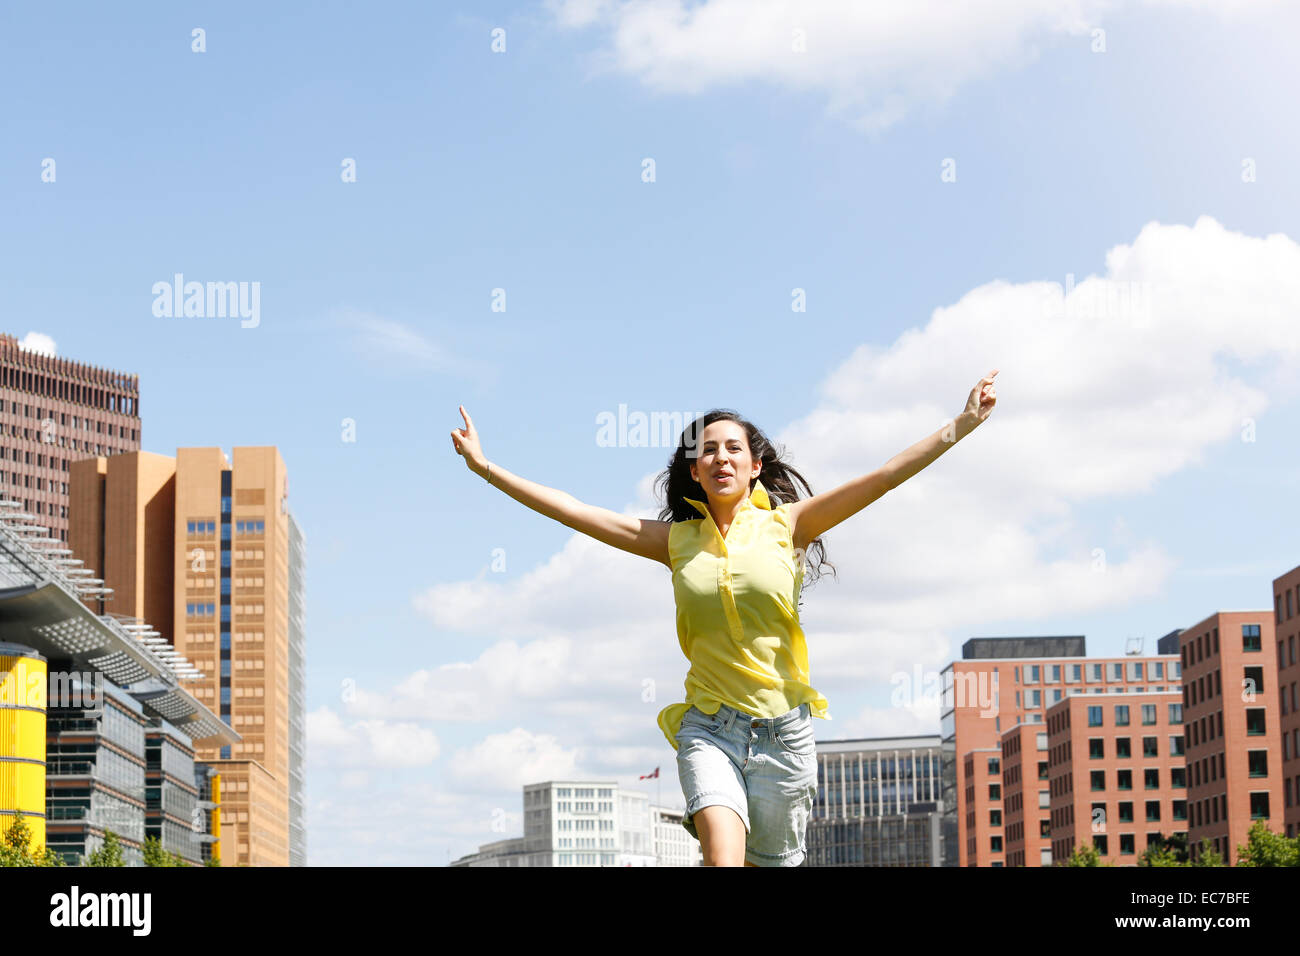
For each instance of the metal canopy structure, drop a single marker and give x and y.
(41, 606)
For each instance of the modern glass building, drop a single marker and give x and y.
(877, 803)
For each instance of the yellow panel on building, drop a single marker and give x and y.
(23, 682)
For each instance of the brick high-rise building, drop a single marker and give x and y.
(1286, 626)
(53, 412)
(206, 550)
(1001, 682)
(1234, 742)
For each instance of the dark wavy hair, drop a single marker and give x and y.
(675, 484)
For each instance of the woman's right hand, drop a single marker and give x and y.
(466, 442)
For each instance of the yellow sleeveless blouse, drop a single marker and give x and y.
(738, 614)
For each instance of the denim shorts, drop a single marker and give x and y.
(764, 768)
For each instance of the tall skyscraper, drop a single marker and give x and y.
(53, 412)
(206, 548)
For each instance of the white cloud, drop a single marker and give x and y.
(367, 745)
(510, 760)
(38, 342)
(397, 344)
(870, 62)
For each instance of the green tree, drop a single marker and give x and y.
(155, 855)
(1266, 848)
(1162, 851)
(1209, 856)
(16, 848)
(110, 854)
(1085, 854)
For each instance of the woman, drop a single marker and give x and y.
(744, 739)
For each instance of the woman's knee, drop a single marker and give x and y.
(722, 835)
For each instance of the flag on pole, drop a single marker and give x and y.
(649, 776)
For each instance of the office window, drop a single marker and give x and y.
(1175, 713)
(1123, 747)
(1151, 778)
(1157, 670)
(1121, 715)
(1150, 747)
(995, 818)
(1148, 714)
(1044, 799)
(1099, 841)
(1096, 748)
(1125, 811)
(1178, 777)
(1034, 677)
(1098, 779)
(1257, 761)
(995, 791)
(1250, 637)
(1259, 806)
(1124, 779)
(1176, 745)
(1094, 716)
(1054, 674)
(1255, 722)
(993, 765)
(1252, 682)
(1135, 670)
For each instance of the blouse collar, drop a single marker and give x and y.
(757, 498)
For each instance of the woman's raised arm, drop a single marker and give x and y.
(641, 536)
(812, 517)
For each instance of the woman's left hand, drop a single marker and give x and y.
(982, 398)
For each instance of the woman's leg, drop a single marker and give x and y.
(722, 835)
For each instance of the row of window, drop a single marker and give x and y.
(198, 528)
(1124, 750)
(76, 444)
(27, 482)
(1122, 714)
(27, 411)
(1114, 671)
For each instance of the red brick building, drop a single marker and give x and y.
(1234, 742)
(1003, 682)
(1116, 774)
(1286, 626)
(54, 411)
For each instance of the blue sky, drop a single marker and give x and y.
(774, 171)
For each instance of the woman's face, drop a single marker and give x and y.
(724, 466)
